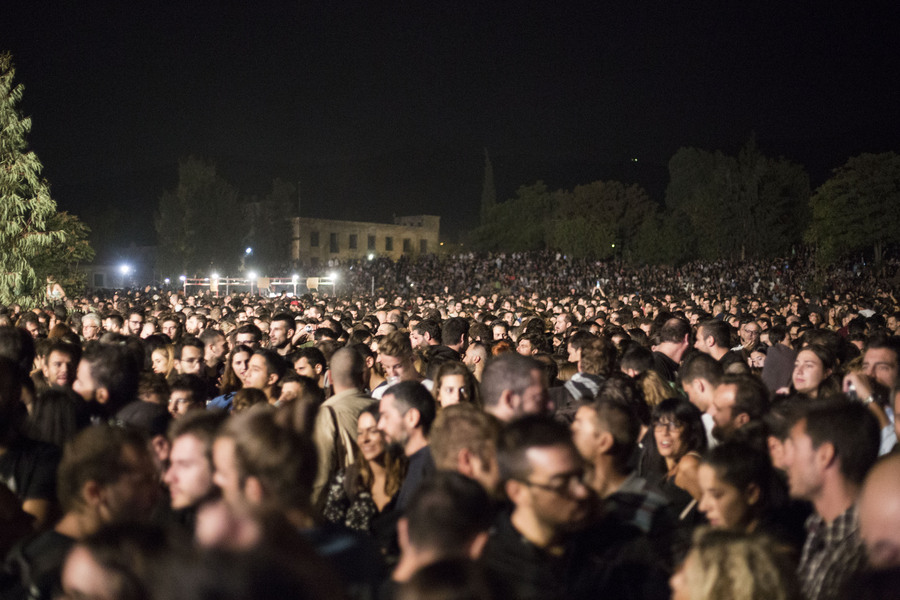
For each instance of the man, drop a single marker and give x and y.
(396, 357)
(547, 546)
(61, 363)
(714, 338)
(448, 518)
(739, 401)
(500, 330)
(170, 325)
(673, 343)
(190, 472)
(107, 377)
(779, 366)
(606, 434)
(426, 333)
(596, 359)
(91, 327)
(249, 335)
(464, 439)
(513, 386)
(827, 455)
(310, 362)
(113, 322)
(455, 335)
(106, 476)
(529, 344)
(337, 417)
(879, 513)
(476, 358)
(700, 376)
(406, 413)
(215, 348)
(194, 324)
(881, 364)
(748, 331)
(190, 355)
(186, 393)
(281, 332)
(135, 322)
(264, 372)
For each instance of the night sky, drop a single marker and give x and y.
(383, 108)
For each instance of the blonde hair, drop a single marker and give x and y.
(728, 565)
(654, 387)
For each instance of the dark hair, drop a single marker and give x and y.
(674, 330)
(413, 395)
(447, 511)
(853, 431)
(274, 363)
(623, 389)
(312, 355)
(430, 327)
(114, 369)
(741, 465)
(530, 431)
(637, 357)
(719, 330)
(192, 384)
(620, 420)
(701, 366)
(693, 437)
(189, 340)
(750, 397)
(57, 414)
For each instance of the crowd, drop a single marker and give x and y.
(489, 427)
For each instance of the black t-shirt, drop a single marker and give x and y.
(28, 469)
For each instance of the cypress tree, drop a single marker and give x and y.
(25, 203)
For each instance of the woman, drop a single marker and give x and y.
(162, 360)
(680, 439)
(235, 368)
(725, 565)
(454, 383)
(814, 368)
(736, 481)
(363, 490)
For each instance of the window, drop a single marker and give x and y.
(333, 242)
(389, 244)
(352, 243)
(407, 245)
(423, 246)
(314, 239)
(371, 242)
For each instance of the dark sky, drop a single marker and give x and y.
(383, 108)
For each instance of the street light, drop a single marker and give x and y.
(252, 277)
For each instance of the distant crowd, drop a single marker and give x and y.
(488, 427)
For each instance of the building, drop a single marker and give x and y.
(316, 241)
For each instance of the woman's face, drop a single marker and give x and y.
(757, 359)
(239, 364)
(368, 438)
(667, 432)
(808, 372)
(160, 361)
(452, 390)
(724, 505)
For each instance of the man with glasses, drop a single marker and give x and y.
(553, 544)
(134, 323)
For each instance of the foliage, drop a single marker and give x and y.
(741, 207)
(26, 208)
(64, 257)
(857, 208)
(199, 224)
(518, 224)
(270, 229)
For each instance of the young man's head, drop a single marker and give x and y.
(464, 439)
(107, 375)
(190, 471)
(407, 411)
(513, 385)
(396, 357)
(186, 393)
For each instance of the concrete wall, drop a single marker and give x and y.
(315, 241)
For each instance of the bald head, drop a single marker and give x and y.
(879, 513)
(347, 368)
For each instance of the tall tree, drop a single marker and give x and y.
(857, 208)
(64, 258)
(488, 190)
(200, 224)
(26, 207)
(270, 233)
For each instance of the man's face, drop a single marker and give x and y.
(180, 401)
(499, 332)
(170, 328)
(90, 330)
(574, 354)
(216, 349)
(33, 329)
(534, 400)
(226, 476)
(881, 365)
(400, 368)
(486, 469)
(586, 432)
(417, 340)
(554, 494)
(59, 369)
(247, 339)
(191, 362)
(257, 375)
(750, 334)
(701, 343)
(304, 368)
(279, 334)
(800, 462)
(192, 325)
(84, 384)
(525, 348)
(135, 324)
(190, 475)
(720, 409)
(391, 422)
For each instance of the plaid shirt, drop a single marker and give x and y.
(831, 555)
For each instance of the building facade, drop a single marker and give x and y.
(316, 241)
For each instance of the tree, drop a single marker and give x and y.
(518, 224)
(64, 257)
(26, 208)
(857, 208)
(200, 224)
(270, 233)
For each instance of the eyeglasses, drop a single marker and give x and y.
(669, 426)
(562, 485)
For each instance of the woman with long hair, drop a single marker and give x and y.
(360, 492)
(235, 367)
(455, 383)
(815, 372)
(680, 440)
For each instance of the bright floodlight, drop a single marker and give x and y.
(251, 275)
(125, 269)
(294, 278)
(215, 275)
(248, 250)
(333, 275)
(371, 256)
(166, 281)
(182, 278)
